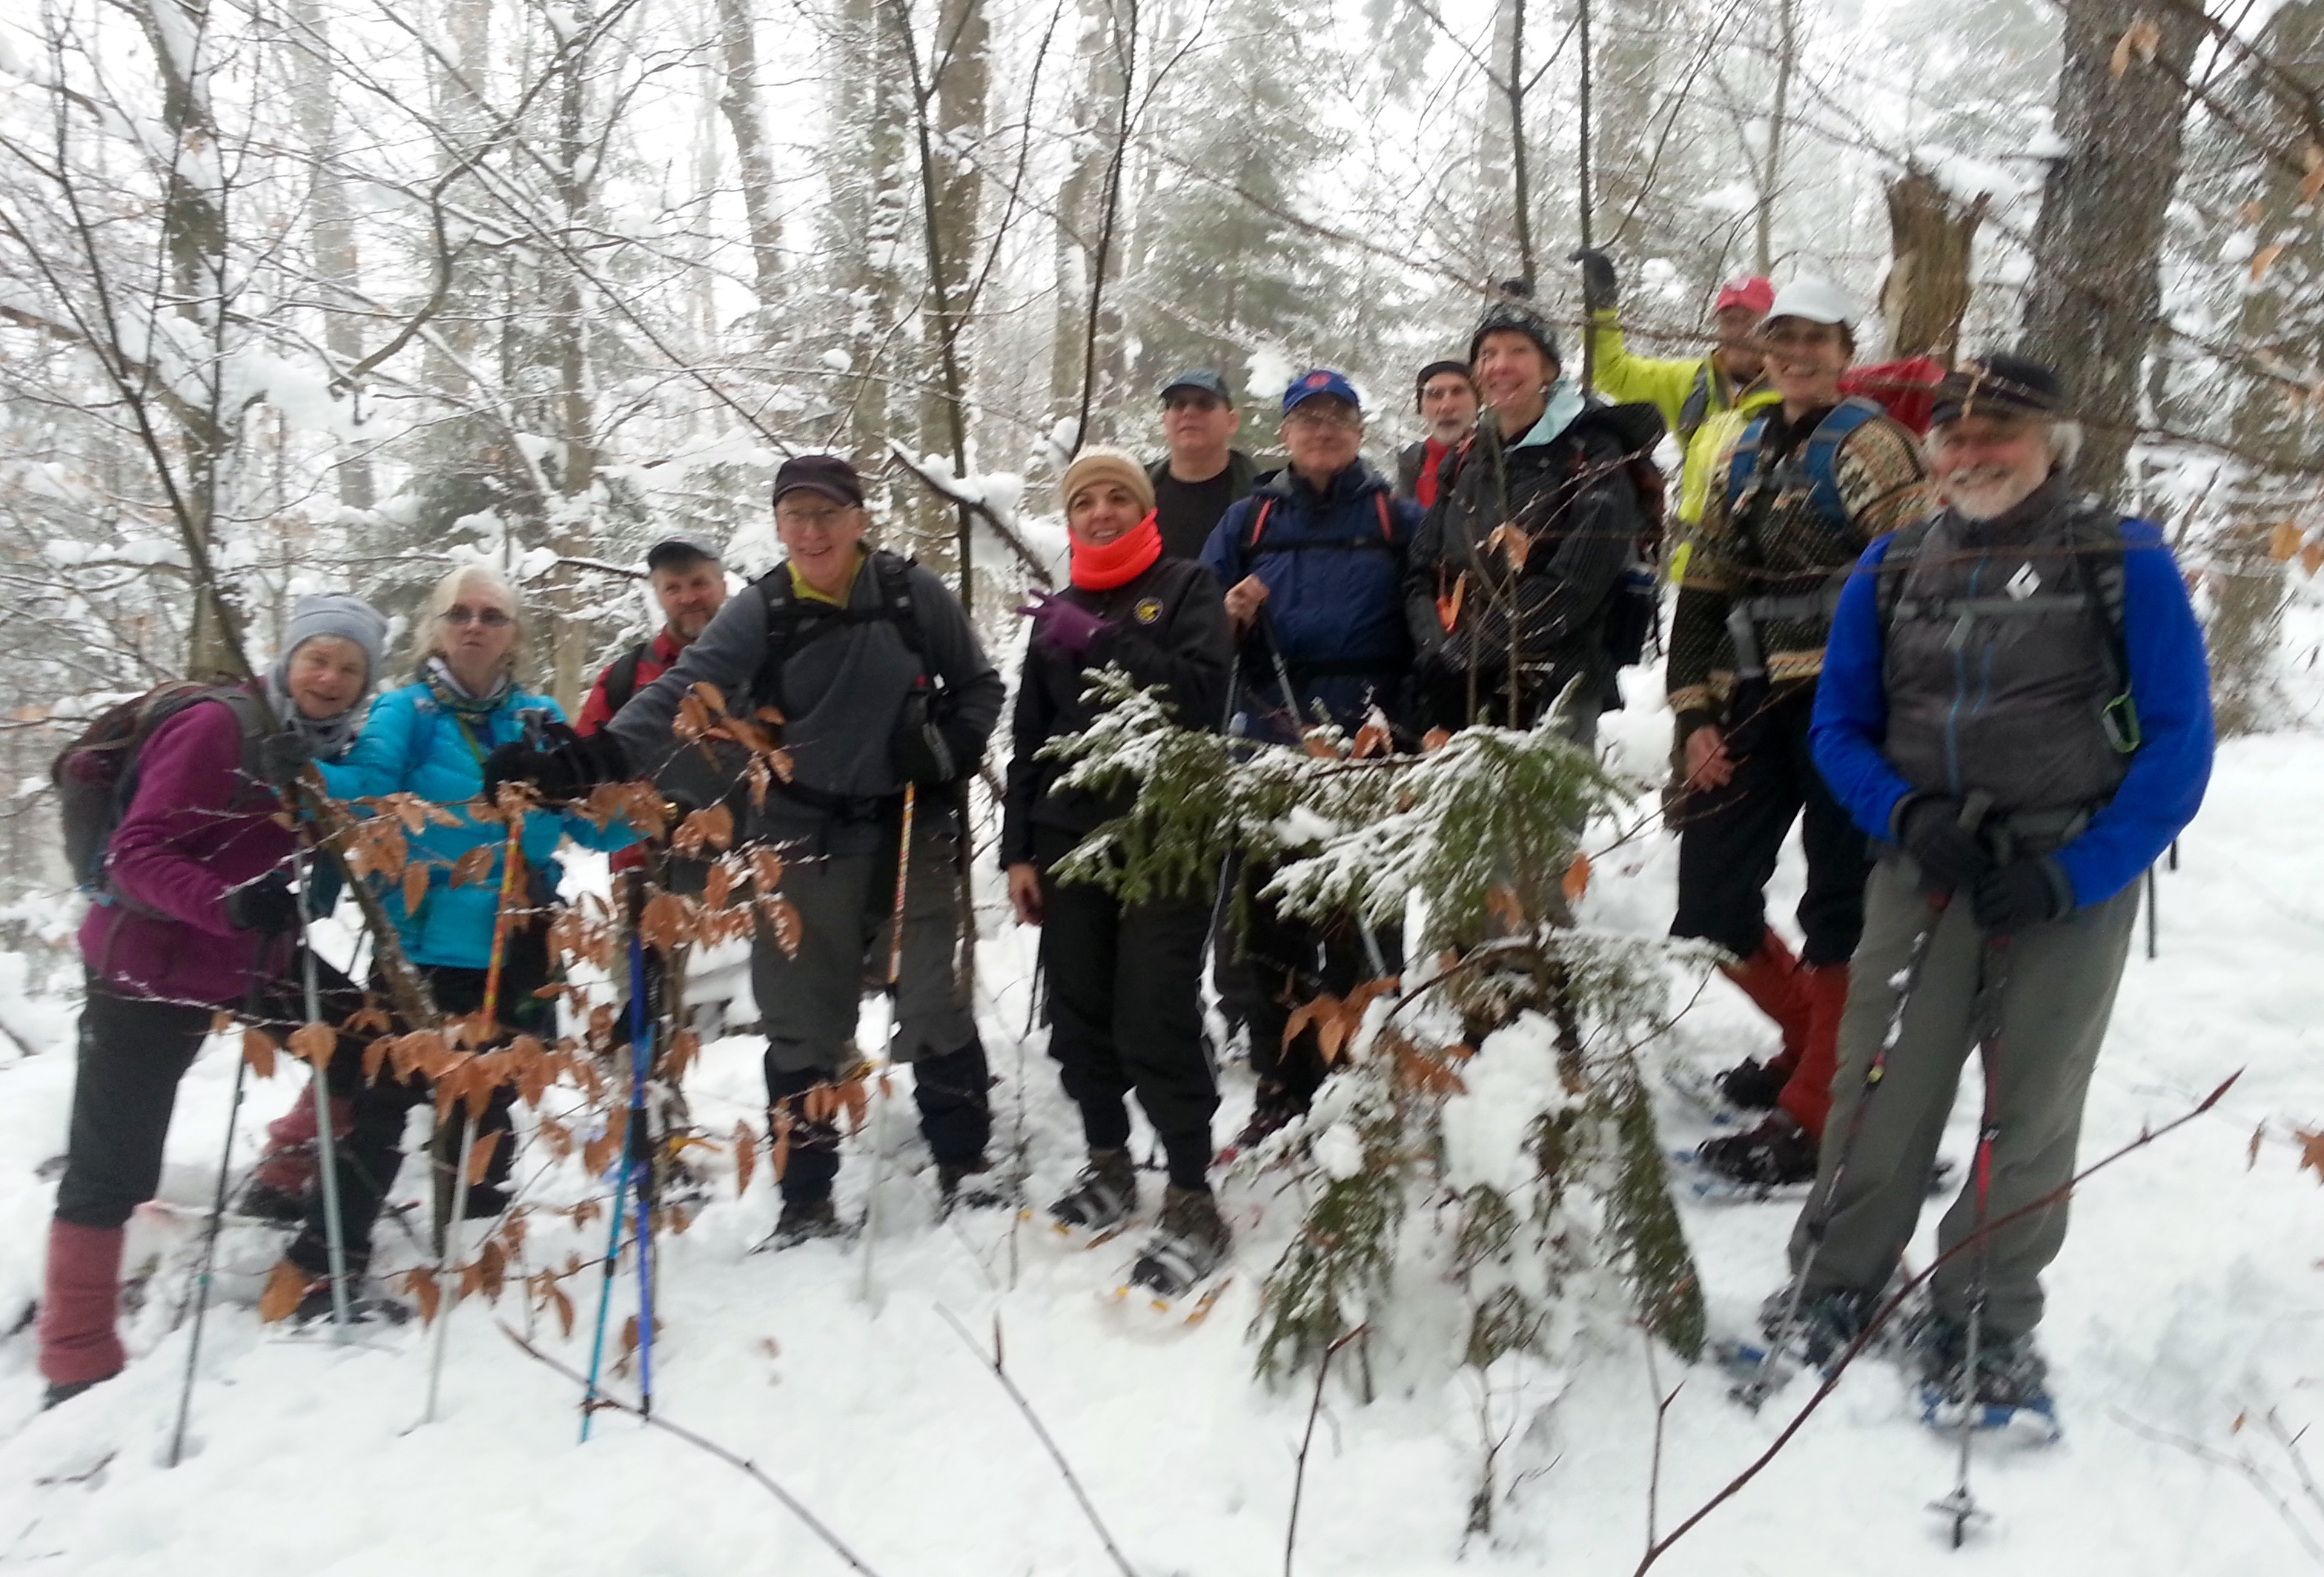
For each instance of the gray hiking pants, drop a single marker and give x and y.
(2056, 991)
(808, 1004)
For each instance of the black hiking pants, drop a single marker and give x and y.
(1283, 963)
(1729, 838)
(1125, 1012)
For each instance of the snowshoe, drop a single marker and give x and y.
(2011, 1390)
(1776, 1154)
(300, 1301)
(62, 1391)
(263, 1200)
(1713, 1186)
(804, 1221)
(1275, 1109)
(1752, 1085)
(973, 1185)
(1102, 1196)
(1188, 1245)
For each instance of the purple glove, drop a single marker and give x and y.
(1067, 628)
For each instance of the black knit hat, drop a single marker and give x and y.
(2000, 384)
(1513, 311)
(1437, 370)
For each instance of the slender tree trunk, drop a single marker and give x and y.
(2097, 285)
(1520, 172)
(1771, 166)
(738, 101)
(330, 226)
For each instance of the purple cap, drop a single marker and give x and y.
(828, 475)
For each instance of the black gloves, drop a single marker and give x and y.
(267, 905)
(283, 756)
(565, 766)
(1951, 857)
(1601, 288)
(927, 747)
(2022, 893)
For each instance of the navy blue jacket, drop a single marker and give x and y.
(2170, 684)
(1333, 563)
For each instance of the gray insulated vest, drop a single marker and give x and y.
(2001, 667)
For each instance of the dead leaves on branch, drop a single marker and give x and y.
(2139, 40)
(1336, 1020)
(703, 718)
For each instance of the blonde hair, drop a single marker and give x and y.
(427, 635)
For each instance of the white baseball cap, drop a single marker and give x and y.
(1812, 301)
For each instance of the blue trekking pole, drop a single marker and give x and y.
(637, 1172)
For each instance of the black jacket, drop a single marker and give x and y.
(1574, 497)
(1166, 627)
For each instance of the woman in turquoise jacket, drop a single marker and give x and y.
(430, 738)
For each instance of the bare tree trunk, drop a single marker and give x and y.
(2096, 284)
(1771, 164)
(575, 509)
(738, 101)
(1520, 172)
(1930, 240)
(331, 231)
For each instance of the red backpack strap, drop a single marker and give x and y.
(1258, 524)
(1379, 501)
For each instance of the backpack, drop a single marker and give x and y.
(1265, 503)
(793, 621)
(95, 776)
(2096, 539)
(621, 678)
(1819, 457)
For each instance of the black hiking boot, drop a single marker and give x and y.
(1101, 1198)
(1189, 1243)
(366, 1306)
(1276, 1108)
(2011, 1372)
(803, 1219)
(971, 1186)
(1750, 1085)
(263, 1200)
(1774, 1154)
(66, 1390)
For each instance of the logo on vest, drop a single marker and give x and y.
(2024, 583)
(1148, 609)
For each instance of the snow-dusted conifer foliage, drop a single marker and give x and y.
(1489, 1129)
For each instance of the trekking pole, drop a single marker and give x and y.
(209, 1239)
(1752, 1392)
(335, 1238)
(632, 1150)
(512, 870)
(879, 1117)
(1961, 1505)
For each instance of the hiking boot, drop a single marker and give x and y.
(487, 1201)
(971, 1186)
(366, 1304)
(1774, 1154)
(1276, 1108)
(2011, 1371)
(1188, 1244)
(263, 1200)
(803, 1219)
(66, 1390)
(1750, 1085)
(1102, 1197)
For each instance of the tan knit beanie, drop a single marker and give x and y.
(1100, 464)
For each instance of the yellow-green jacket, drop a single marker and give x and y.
(1698, 403)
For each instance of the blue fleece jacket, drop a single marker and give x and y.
(1333, 565)
(2169, 685)
(413, 742)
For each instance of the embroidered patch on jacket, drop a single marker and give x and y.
(1148, 609)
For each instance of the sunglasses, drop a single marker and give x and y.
(490, 618)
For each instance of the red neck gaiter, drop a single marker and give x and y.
(1432, 454)
(1120, 561)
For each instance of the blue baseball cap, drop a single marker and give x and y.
(1202, 380)
(1307, 385)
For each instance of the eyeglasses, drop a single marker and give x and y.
(490, 618)
(1344, 420)
(1201, 402)
(811, 520)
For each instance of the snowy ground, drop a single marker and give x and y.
(2189, 1294)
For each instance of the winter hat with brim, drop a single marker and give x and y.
(2001, 385)
(1514, 311)
(1099, 464)
(1812, 301)
(827, 475)
(681, 548)
(1434, 370)
(1202, 380)
(1746, 290)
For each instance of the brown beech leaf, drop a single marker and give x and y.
(712, 827)
(286, 1289)
(258, 1049)
(1436, 739)
(564, 1306)
(1319, 747)
(374, 1057)
(2264, 259)
(420, 1284)
(599, 1152)
(2283, 541)
(684, 1048)
(556, 1137)
(1501, 903)
(759, 776)
(779, 1141)
(480, 1157)
(415, 885)
(370, 1018)
(536, 1070)
(407, 808)
(2139, 39)
(473, 866)
(780, 761)
(313, 1044)
(692, 720)
(1512, 543)
(1373, 738)
(2311, 186)
(746, 1157)
(492, 1269)
(2312, 557)
(766, 870)
(1308, 1013)
(717, 886)
(784, 921)
(2251, 1156)
(2311, 1151)
(1448, 607)
(666, 922)
(1577, 878)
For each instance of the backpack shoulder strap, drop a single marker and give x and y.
(1387, 532)
(1888, 584)
(621, 679)
(892, 574)
(1821, 455)
(1743, 460)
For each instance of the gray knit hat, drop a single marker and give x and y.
(347, 619)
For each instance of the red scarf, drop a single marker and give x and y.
(1118, 562)
(1424, 487)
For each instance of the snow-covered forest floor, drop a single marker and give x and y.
(2189, 1294)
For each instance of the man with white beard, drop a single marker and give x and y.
(2015, 705)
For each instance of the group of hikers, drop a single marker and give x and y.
(1983, 698)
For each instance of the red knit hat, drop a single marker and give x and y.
(1746, 290)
